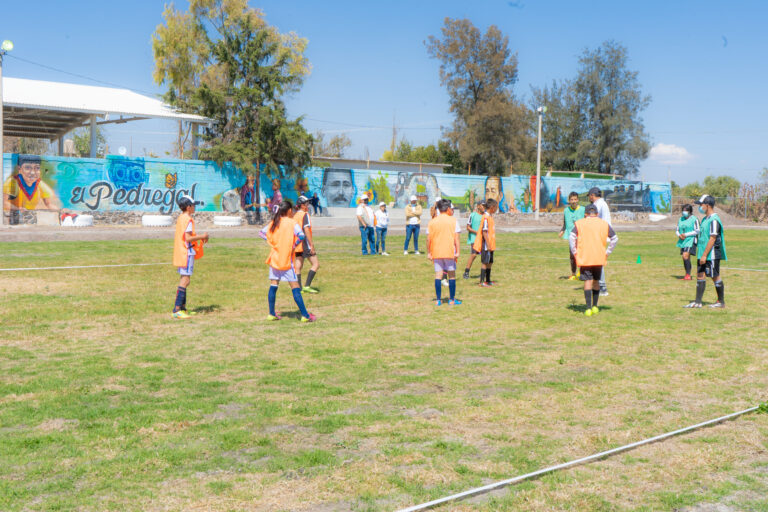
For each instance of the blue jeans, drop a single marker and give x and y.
(366, 233)
(412, 229)
(381, 236)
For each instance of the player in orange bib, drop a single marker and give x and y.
(588, 241)
(184, 252)
(443, 248)
(283, 234)
(485, 242)
(306, 249)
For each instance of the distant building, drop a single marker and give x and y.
(382, 165)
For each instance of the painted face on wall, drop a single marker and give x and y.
(493, 188)
(30, 172)
(338, 187)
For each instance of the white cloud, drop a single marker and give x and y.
(669, 154)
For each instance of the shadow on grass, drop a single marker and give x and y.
(581, 308)
(203, 310)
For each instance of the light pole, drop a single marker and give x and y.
(4, 48)
(541, 111)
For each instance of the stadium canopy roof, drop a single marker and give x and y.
(49, 110)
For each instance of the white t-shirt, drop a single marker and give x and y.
(382, 218)
(365, 211)
(190, 250)
(603, 211)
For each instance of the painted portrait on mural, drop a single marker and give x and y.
(494, 189)
(338, 187)
(420, 184)
(25, 189)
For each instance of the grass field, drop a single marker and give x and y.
(106, 403)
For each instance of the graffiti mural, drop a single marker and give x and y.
(121, 183)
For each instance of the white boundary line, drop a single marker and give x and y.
(504, 483)
(81, 266)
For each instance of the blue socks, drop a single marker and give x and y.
(452, 288)
(181, 299)
(437, 288)
(299, 302)
(271, 296)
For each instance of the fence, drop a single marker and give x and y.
(751, 205)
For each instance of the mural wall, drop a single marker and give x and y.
(121, 183)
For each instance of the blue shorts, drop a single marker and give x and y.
(187, 271)
(445, 264)
(288, 275)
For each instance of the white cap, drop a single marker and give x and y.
(414, 198)
(437, 199)
(382, 203)
(363, 196)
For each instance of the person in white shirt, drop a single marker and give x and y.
(595, 196)
(381, 217)
(365, 222)
(412, 224)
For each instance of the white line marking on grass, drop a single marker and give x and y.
(583, 460)
(747, 269)
(81, 266)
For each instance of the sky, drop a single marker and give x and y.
(702, 63)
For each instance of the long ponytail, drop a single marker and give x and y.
(284, 209)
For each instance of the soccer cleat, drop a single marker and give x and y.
(384, 253)
(445, 282)
(455, 302)
(417, 252)
(273, 318)
(572, 278)
(466, 275)
(310, 318)
(604, 293)
(717, 305)
(687, 277)
(309, 289)
(405, 253)
(190, 313)
(181, 314)
(595, 310)
(484, 285)
(693, 305)
(588, 312)
(438, 302)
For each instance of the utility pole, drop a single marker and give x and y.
(537, 200)
(5, 48)
(394, 135)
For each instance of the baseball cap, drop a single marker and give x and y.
(382, 203)
(594, 191)
(185, 201)
(302, 199)
(438, 199)
(414, 198)
(706, 199)
(363, 196)
(590, 208)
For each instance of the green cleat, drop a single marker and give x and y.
(588, 312)
(595, 310)
(309, 289)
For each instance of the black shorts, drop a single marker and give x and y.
(486, 257)
(710, 268)
(591, 273)
(689, 250)
(474, 251)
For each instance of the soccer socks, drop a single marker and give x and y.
(701, 284)
(687, 265)
(720, 288)
(181, 299)
(488, 275)
(452, 288)
(482, 275)
(595, 296)
(298, 276)
(438, 288)
(299, 301)
(310, 277)
(588, 298)
(271, 296)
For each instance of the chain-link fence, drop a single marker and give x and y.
(751, 204)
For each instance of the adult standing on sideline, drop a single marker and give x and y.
(277, 197)
(595, 196)
(249, 199)
(365, 221)
(382, 222)
(315, 201)
(412, 224)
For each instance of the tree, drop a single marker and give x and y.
(26, 145)
(81, 137)
(334, 148)
(223, 61)
(609, 101)
(562, 126)
(721, 186)
(490, 128)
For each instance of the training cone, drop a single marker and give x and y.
(639, 261)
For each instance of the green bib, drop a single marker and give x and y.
(685, 226)
(571, 216)
(719, 248)
(474, 220)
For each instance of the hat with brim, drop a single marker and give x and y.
(705, 199)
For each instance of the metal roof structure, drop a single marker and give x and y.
(48, 110)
